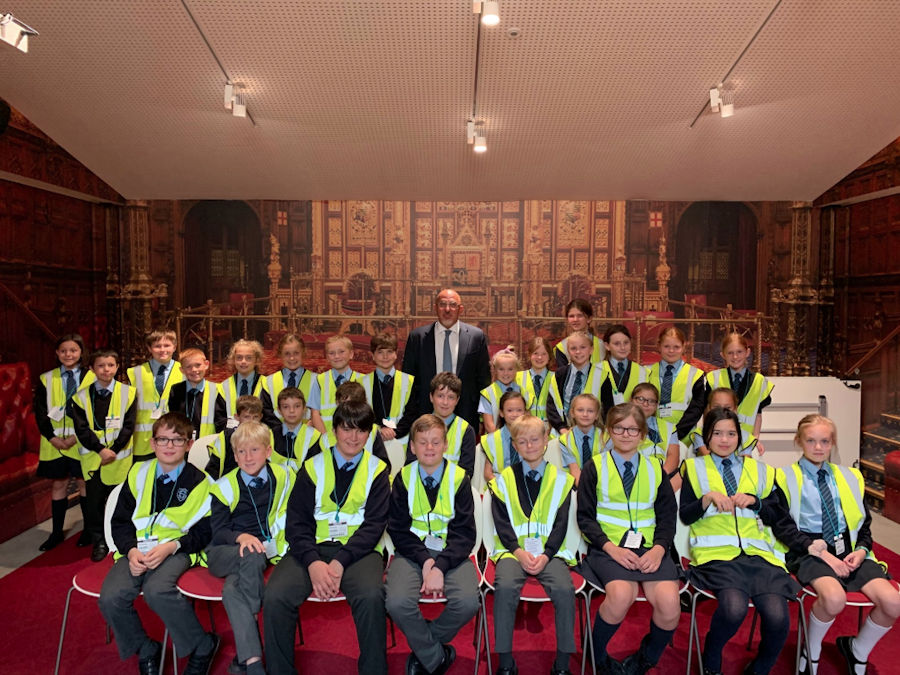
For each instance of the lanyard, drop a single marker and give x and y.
(264, 529)
(419, 498)
(528, 494)
(169, 369)
(149, 531)
(634, 488)
(343, 499)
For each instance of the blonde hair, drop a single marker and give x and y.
(584, 335)
(250, 433)
(598, 421)
(812, 420)
(734, 337)
(427, 423)
(191, 352)
(340, 337)
(254, 346)
(507, 353)
(527, 423)
(672, 332)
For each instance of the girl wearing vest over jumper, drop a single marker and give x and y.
(626, 511)
(498, 447)
(506, 365)
(826, 500)
(291, 349)
(579, 314)
(618, 372)
(432, 525)
(59, 456)
(531, 512)
(753, 390)
(535, 382)
(682, 389)
(579, 377)
(584, 439)
(730, 503)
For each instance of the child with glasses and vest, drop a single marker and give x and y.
(160, 527)
(322, 393)
(826, 500)
(530, 509)
(735, 510)
(103, 415)
(432, 526)
(580, 376)
(153, 381)
(247, 520)
(681, 386)
(629, 547)
(387, 389)
(337, 513)
(197, 397)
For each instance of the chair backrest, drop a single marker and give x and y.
(108, 514)
(487, 528)
(396, 454)
(553, 455)
(574, 540)
(478, 472)
(479, 519)
(198, 455)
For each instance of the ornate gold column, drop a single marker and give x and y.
(801, 296)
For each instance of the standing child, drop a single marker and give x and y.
(104, 417)
(160, 526)
(584, 439)
(291, 350)
(753, 390)
(445, 391)
(661, 440)
(498, 447)
(826, 500)
(619, 374)
(506, 365)
(153, 381)
(387, 389)
(730, 502)
(535, 382)
(628, 554)
(322, 402)
(682, 389)
(221, 456)
(579, 314)
(59, 453)
(723, 398)
(531, 515)
(247, 521)
(295, 440)
(432, 525)
(337, 513)
(580, 376)
(198, 399)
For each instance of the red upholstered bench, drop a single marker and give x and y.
(892, 486)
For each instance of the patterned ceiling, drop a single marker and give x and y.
(364, 99)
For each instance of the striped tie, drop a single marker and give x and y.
(292, 379)
(829, 515)
(665, 394)
(728, 477)
(585, 449)
(70, 383)
(160, 379)
(628, 478)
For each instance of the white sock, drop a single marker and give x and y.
(863, 643)
(817, 630)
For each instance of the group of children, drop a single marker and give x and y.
(306, 484)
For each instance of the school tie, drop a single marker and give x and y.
(533, 476)
(665, 395)
(728, 477)
(429, 483)
(289, 443)
(103, 393)
(514, 457)
(165, 479)
(448, 355)
(292, 379)
(338, 380)
(537, 384)
(829, 515)
(160, 379)
(654, 435)
(256, 483)
(621, 370)
(628, 478)
(244, 388)
(190, 400)
(736, 382)
(585, 449)
(348, 467)
(579, 382)
(388, 381)
(70, 383)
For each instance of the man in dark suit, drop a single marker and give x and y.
(447, 344)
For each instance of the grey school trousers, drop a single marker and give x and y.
(241, 595)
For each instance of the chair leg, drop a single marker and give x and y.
(212, 620)
(62, 630)
(802, 635)
(752, 630)
(108, 634)
(481, 629)
(299, 629)
(694, 637)
(587, 639)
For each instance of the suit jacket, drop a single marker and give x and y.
(473, 367)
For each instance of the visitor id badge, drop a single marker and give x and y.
(337, 530)
(761, 526)
(534, 546)
(271, 548)
(839, 547)
(231, 423)
(633, 540)
(56, 414)
(147, 545)
(389, 423)
(434, 542)
(113, 422)
(664, 411)
(156, 413)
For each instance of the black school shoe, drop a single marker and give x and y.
(199, 664)
(414, 666)
(84, 539)
(100, 551)
(609, 666)
(845, 647)
(449, 658)
(54, 540)
(150, 664)
(236, 667)
(514, 670)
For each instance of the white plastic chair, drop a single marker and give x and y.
(198, 455)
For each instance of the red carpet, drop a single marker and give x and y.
(33, 598)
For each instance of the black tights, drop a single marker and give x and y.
(732, 608)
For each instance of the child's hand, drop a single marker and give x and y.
(336, 570)
(136, 563)
(855, 559)
(817, 548)
(650, 561)
(60, 443)
(107, 456)
(387, 434)
(563, 430)
(760, 449)
(524, 557)
(625, 557)
(742, 500)
(155, 556)
(839, 566)
(432, 580)
(70, 441)
(323, 584)
(247, 541)
(538, 564)
(722, 502)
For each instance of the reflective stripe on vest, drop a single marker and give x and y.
(648, 448)
(353, 511)
(56, 398)
(455, 433)
(494, 450)
(682, 387)
(748, 408)
(636, 375)
(115, 472)
(207, 408)
(327, 389)
(274, 383)
(568, 439)
(555, 487)
(229, 392)
(591, 386)
(538, 406)
(426, 520)
(613, 507)
(401, 388)
(303, 441)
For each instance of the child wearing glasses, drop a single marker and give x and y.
(629, 547)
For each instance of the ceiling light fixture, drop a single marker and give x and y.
(14, 32)
(235, 100)
(480, 144)
(489, 10)
(721, 100)
(470, 132)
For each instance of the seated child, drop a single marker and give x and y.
(247, 521)
(103, 415)
(432, 525)
(196, 397)
(505, 364)
(336, 517)
(532, 497)
(322, 401)
(294, 440)
(221, 457)
(387, 389)
(498, 448)
(153, 552)
(445, 392)
(354, 392)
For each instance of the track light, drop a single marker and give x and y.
(721, 100)
(480, 144)
(489, 10)
(14, 32)
(235, 100)
(470, 132)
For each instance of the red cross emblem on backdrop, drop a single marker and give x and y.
(656, 219)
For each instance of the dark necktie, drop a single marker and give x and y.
(256, 483)
(665, 395)
(579, 382)
(191, 400)
(514, 457)
(244, 388)
(160, 380)
(448, 355)
(829, 515)
(348, 467)
(728, 477)
(654, 435)
(289, 443)
(628, 478)
(621, 377)
(533, 476)
(537, 384)
(166, 479)
(338, 380)
(585, 450)
(388, 381)
(429, 483)
(103, 393)
(509, 389)
(292, 379)
(70, 383)
(736, 382)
